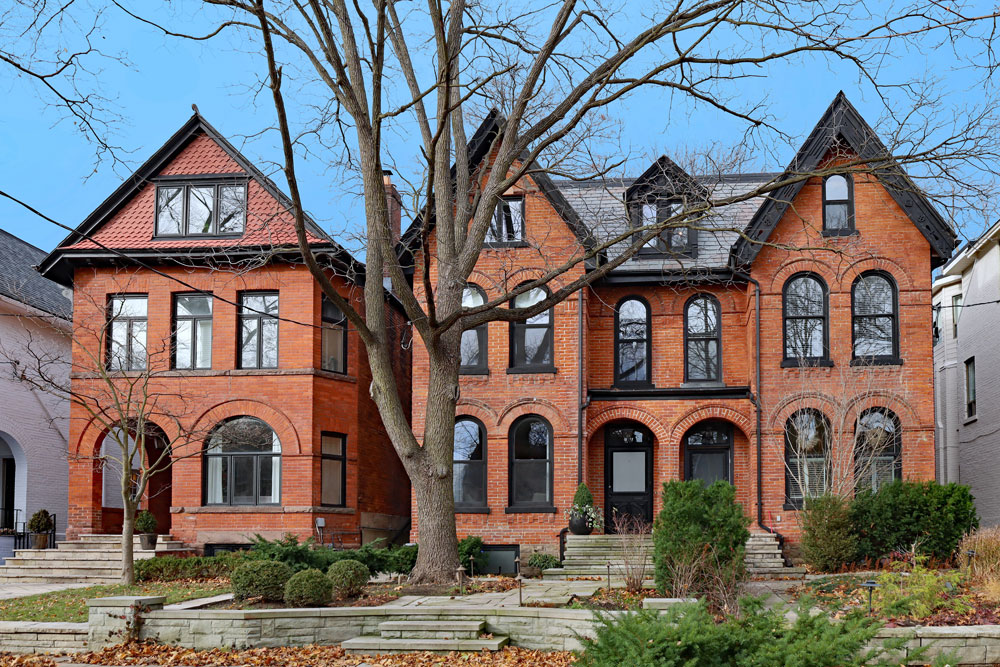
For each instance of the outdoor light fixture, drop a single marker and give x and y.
(460, 577)
(517, 565)
(609, 575)
(871, 585)
(520, 590)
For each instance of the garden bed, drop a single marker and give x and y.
(612, 599)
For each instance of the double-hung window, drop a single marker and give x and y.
(258, 330)
(469, 464)
(333, 469)
(805, 313)
(334, 347)
(531, 340)
(507, 225)
(473, 346)
(873, 299)
(192, 331)
(201, 209)
(127, 322)
(703, 339)
(838, 205)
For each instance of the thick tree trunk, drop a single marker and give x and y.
(128, 531)
(437, 558)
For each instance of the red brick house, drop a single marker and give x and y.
(700, 356)
(190, 271)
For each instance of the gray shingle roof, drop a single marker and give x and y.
(600, 204)
(20, 281)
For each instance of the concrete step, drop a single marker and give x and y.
(48, 564)
(57, 579)
(379, 645)
(779, 571)
(44, 571)
(78, 554)
(431, 629)
(105, 545)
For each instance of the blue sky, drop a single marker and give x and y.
(50, 165)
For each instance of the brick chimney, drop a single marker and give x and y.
(395, 205)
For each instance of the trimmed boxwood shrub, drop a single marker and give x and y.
(544, 561)
(264, 579)
(471, 555)
(828, 538)
(172, 568)
(932, 516)
(348, 577)
(308, 588)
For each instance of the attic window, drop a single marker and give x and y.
(201, 209)
(676, 239)
(838, 205)
(507, 225)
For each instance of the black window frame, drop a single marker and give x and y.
(793, 362)
(689, 337)
(175, 318)
(896, 448)
(461, 508)
(130, 321)
(185, 186)
(850, 229)
(482, 336)
(327, 323)
(517, 326)
(342, 457)
(547, 506)
(257, 457)
(664, 247)
(798, 503)
(648, 340)
(241, 316)
(720, 425)
(492, 242)
(970, 388)
(893, 357)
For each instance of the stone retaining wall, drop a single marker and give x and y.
(969, 644)
(31, 637)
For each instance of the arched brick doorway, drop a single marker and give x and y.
(628, 472)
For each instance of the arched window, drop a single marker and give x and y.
(708, 452)
(531, 340)
(474, 359)
(633, 346)
(875, 311)
(703, 339)
(243, 464)
(805, 312)
(531, 464)
(469, 466)
(334, 346)
(878, 449)
(807, 456)
(838, 205)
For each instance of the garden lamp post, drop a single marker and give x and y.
(520, 590)
(609, 575)
(871, 585)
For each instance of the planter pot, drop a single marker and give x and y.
(147, 541)
(40, 540)
(578, 525)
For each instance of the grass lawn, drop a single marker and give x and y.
(71, 605)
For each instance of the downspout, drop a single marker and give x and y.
(580, 402)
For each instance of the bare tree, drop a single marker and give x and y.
(119, 383)
(636, 549)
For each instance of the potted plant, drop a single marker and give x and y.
(40, 525)
(583, 516)
(145, 525)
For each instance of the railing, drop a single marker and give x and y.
(9, 518)
(23, 539)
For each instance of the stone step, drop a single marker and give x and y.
(77, 554)
(379, 645)
(57, 579)
(106, 545)
(39, 563)
(431, 629)
(780, 571)
(46, 570)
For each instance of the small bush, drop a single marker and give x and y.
(401, 559)
(309, 588)
(172, 568)
(828, 539)
(264, 579)
(471, 555)
(543, 561)
(583, 496)
(145, 522)
(308, 555)
(984, 565)
(917, 593)
(40, 522)
(348, 578)
(930, 516)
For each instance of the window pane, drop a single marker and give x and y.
(138, 358)
(243, 480)
(531, 440)
(804, 338)
(333, 349)
(836, 187)
(470, 348)
(703, 359)
(529, 298)
(873, 336)
(836, 216)
(128, 306)
(537, 345)
(244, 434)
(632, 362)
(169, 210)
(232, 208)
(531, 482)
(678, 238)
(194, 305)
(204, 334)
(648, 215)
(632, 321)
(217, 479)
(873, 296)
(467, 483)
(468, 441)
(182, 344)
(269, 344)
(267, 487)
(709, 435)
(804, 297)
(200, 204)
(119, 346)
(333, 488)
(259, 304)
(248, 345)
(702, 317)
(628, 472)
(710, 467)
(332, 445)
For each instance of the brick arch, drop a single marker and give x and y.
(625, 413)
(92, 434)
(532, 406)
(478, 409)
(898, 272)
(680, 299)
(797, 401)
(700, 414)
(282, 425)
(803, 264)
(908, 418)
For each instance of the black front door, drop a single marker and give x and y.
(628, 474)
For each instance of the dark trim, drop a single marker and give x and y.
(970, 405)
(482, 338)
(462, 508)
(546, 507)
(185, 186)
(343, 467)
(257, 456)
(885, 359)
(610, 448)
(230, 177)
(174, 318)
(504, 245)
(508, 201)
(897, 443)
(669, 393)
(519, 327)
(695, 276)
(833, 233)
(717, 338)
(797, 504)
(728, 448)
(529, 370)
(648, 339)
(805, 361)
(849, 202)
(329, 324)
(240, 317)
(110, 319)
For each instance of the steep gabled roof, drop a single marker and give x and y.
(668, 179)
(842, 122)
(79, 243)
(21, 282)
(478, 148)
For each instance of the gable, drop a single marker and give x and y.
(842, 123)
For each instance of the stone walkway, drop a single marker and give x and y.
(9, 591)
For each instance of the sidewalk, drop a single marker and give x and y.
(9, 591)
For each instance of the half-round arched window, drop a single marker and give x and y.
(878, 449)
(804, 302)
(703, 339)
(473, 346)
(531, 463)
(243, 464)
(469, 465)
(838, 205)
(807, 456)
(531, 339)
(633, 346)
(875, 311)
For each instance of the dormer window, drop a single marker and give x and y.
(507, 225)
(676, 239)
(201, 209)
(838, 205)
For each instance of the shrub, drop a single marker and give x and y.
(172, 568)
(700, 530)
(309, 588)
(917, 593)
(544, 561)
(828, 539)
(984, 566)
(145, 522)
(40, 522)
(583, 496)
(308, 555)
(688, 635)
(471, 555)
(264, 579)
(348, 578)
(401, 559)
(933, 517)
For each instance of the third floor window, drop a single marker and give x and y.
(507, 225)
(201, 209)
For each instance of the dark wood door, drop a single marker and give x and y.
(628, 471)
